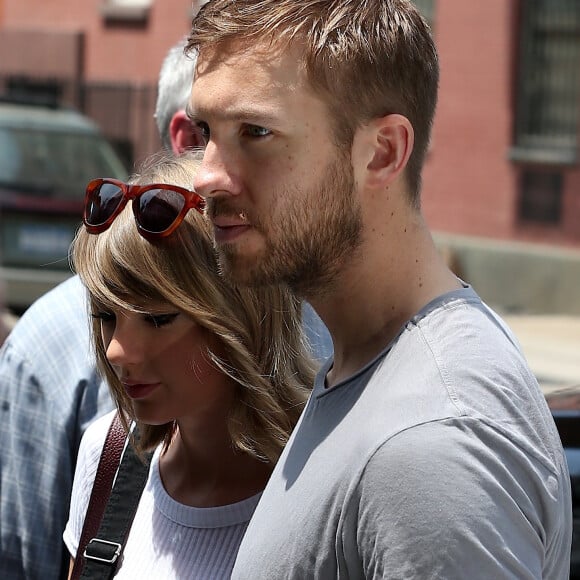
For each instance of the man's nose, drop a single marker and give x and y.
(217, 174)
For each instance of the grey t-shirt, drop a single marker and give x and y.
(439, 459)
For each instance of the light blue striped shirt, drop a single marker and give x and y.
(49, 393)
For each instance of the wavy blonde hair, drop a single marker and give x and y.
(259, 329)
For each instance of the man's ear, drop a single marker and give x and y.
(391, 144)
(183, 134)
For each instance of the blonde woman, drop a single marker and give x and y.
(214, 375)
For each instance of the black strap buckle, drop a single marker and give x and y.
(102, 551)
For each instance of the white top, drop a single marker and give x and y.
(167, 539)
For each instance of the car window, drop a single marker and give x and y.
(55, 163)
(10, 159)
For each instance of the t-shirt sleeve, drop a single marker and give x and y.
(88, 458)
(451, 501)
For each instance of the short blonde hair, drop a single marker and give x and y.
(259, 329)
(363, 58)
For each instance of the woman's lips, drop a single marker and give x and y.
(140, 390)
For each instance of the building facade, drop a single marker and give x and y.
(504, 158)
(503, 162)
(100, 56)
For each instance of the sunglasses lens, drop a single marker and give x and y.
(157, 209)
(102, 204)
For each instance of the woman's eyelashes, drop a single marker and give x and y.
(159, 320)
(104, 316)
(154, 319)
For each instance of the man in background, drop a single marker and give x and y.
(50, 390)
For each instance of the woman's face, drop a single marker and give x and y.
(160, 357)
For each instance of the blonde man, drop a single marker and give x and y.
(426, 449)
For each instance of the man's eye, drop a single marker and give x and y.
(204, 130)
(104, 316)
(159, 320)
(257, 131)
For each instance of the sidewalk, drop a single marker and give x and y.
(552, 346)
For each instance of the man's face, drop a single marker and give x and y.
(280, 192)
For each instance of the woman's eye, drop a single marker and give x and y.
(104, 316)
(159, 320)
(257, 131)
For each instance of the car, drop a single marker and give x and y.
(47, 156)
(565, 406)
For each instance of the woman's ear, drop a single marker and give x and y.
(390, 142)
(183, 133)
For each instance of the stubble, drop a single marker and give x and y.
(308, 236)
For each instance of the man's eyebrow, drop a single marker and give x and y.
(241, 114)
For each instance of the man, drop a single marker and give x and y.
(426, 449)
(50, 390)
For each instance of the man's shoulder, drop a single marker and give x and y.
(68, 299)
(61, 311)
(50, 344)
(461, 316)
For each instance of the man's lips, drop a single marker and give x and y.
(228, 228)
(230, 221)
(224, 235)
(140, 390)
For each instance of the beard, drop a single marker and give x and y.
(306, 236)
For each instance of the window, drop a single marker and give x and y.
(548, 99)
(541, 197)
(29, 90)
(130, 10)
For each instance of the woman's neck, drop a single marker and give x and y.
(206, 470)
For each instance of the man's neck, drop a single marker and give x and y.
(373, 296)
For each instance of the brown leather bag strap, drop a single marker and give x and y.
(108, 465)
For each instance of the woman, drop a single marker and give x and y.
(215, 376)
